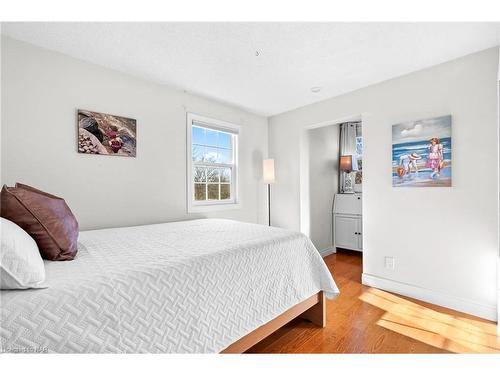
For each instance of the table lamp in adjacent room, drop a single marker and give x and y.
(347, 164)
(268, 176)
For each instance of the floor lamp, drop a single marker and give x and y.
(268, 175)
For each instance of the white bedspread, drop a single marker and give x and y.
(194, 286)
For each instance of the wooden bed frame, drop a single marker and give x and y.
(312, 309)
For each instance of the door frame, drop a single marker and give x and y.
(305, 209)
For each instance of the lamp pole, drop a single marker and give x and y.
(269, 203)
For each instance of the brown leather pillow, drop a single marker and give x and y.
(45, 217)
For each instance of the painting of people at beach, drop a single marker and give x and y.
(103, 134)
(421, 153)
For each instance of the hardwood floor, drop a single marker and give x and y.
(368, 320)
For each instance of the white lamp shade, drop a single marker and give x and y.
(268, 171)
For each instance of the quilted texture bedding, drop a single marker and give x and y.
(184, 287)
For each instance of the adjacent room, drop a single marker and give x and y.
(246, 187)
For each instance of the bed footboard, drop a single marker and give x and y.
(312, 309)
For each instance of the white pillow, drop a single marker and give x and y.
(21, 265)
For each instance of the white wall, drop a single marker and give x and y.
(444, 239)
(498, 267)
(41, 93)
(323, 183)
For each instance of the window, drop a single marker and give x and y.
(212, 164)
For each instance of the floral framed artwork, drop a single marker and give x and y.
(421, 153)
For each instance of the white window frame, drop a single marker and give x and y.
(213, 205)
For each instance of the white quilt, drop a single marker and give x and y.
(184, 287)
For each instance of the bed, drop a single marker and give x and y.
(200, 286)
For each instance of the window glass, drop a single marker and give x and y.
(213, 167)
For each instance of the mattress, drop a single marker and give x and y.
(184, 287)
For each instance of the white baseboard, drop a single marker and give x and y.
(327, 251)
(438, 298)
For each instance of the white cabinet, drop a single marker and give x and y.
(346, 232)
(348, 222)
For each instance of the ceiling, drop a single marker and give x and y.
(266, 68)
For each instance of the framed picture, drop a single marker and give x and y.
(421, 153)
(103, 134)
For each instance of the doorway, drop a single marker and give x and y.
(321, 180)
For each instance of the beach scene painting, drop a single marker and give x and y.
(421, 153)
(103, 134)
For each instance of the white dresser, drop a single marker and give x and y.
(347, 221)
